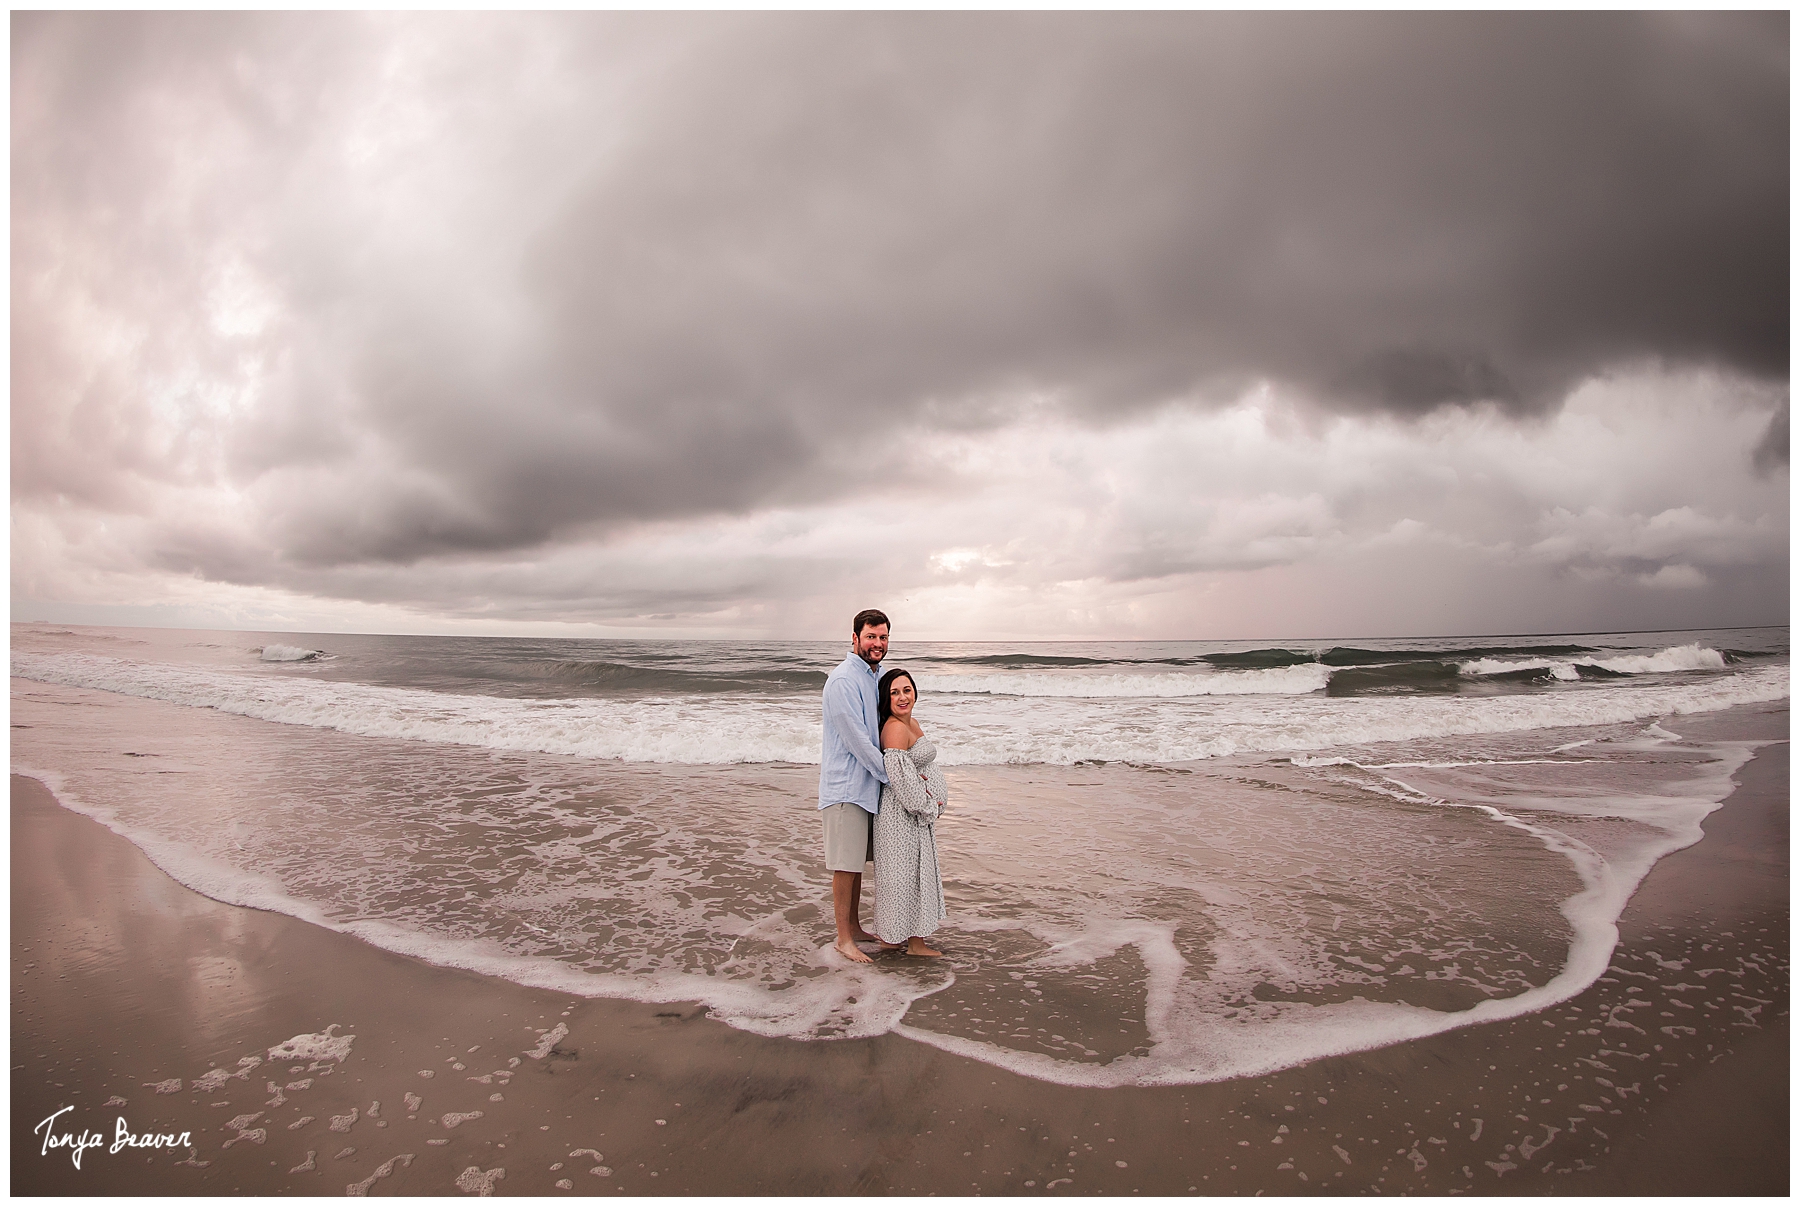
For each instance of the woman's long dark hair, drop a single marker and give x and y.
(884, 704)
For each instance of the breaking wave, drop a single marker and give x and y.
(974, 728)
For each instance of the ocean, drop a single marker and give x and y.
(1165, 862)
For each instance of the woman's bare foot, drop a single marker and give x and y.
(851, 952)
(915, 946)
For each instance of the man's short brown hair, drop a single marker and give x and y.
(865, 618)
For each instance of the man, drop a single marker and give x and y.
(851, 773)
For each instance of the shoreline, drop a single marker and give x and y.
(123, 978)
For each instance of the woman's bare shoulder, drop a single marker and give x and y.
(896, 736)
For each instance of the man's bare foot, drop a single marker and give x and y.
(851, 952)
(863, 936)
(886, 946)
(916, 947)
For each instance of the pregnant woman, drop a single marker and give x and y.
(909, 895)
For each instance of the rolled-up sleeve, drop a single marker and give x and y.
(844, 714)
(850, 766)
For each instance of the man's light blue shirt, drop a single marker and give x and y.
(851, 768)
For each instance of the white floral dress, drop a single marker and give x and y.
(909, 894)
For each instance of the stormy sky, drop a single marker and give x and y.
(1018, 325)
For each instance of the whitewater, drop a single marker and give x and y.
(1166, 862)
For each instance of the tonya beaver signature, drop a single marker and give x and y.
(123, 1137)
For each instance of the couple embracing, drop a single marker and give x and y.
(880, 790)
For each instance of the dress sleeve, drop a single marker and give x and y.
(908, 787)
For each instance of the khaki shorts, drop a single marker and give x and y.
(849, 838)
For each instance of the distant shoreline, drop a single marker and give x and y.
(930, 640)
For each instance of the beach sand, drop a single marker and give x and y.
(1667, 1076)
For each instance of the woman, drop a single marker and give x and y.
(909, 896)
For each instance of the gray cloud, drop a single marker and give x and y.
(1418, 208)
(1771, 452)
(504, 281)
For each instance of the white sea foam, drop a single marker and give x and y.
(1186, 1049)
(1693, 657)
(288, 653)
(994, 729)
(209, 875)
(843, 1002)
(1279, 681)
(1505, 666)
(628, 891)
(314, 1046)
(1305, 760)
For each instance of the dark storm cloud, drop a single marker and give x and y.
(1409, 209)
(676, 265)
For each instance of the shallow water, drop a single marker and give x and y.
(1168, 920)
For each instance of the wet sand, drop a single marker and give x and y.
(1667, 1076)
